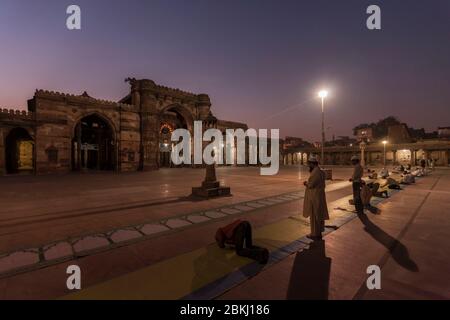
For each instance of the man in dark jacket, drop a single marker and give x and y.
(356, 180)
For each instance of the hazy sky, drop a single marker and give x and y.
(254, 58)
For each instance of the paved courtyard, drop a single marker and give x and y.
(134, 233)
(408, 241)
(40, 209)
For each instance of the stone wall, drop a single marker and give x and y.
(135, 121)
(129, 140)
(57, 116)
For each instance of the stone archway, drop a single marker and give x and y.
(94, 144)
(171, 118)
(19, 151)
(404, 156)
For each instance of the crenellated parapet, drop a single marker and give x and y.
(163, 93)
(175, 92)
(16, 114)
(184, 96)
(79, 99)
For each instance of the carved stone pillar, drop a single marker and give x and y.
(446, 157)
(210, 186)
(149, 126)
(413, 157)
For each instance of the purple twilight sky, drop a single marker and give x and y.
(261, 62)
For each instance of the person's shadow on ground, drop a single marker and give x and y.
(397, 250)
(310, 275)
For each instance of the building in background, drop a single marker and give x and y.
(444, 132)
(62, 132)
(366, 134)
(404, 146)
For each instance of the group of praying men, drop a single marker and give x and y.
(315, 204)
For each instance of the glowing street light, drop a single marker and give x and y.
(322, 95)
(384, 152)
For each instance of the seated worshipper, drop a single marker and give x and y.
(408, 178)
(393, 184)
(375, 187)
(372, 174)
(239, 235)
(417, 172)
(398, 169)
(384, 173)
(408, 167)
(366, 196)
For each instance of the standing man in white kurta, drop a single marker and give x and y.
(315, 202)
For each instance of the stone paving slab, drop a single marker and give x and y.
(266, 202)
(177, 223)
(215, 214)
(58, 251)
(285, 198)
(151, 228)
(18, 260)
(276, 200)
(124, 235)
(230, 211)
(197, 218)
(243, 208)
(292, 196)
(255, 204)
(90, 243)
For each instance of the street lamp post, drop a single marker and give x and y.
(322, 95)
(299, 155)
(384, 153)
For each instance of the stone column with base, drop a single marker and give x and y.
(413, 157)
(210, 186)
(446, 157)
